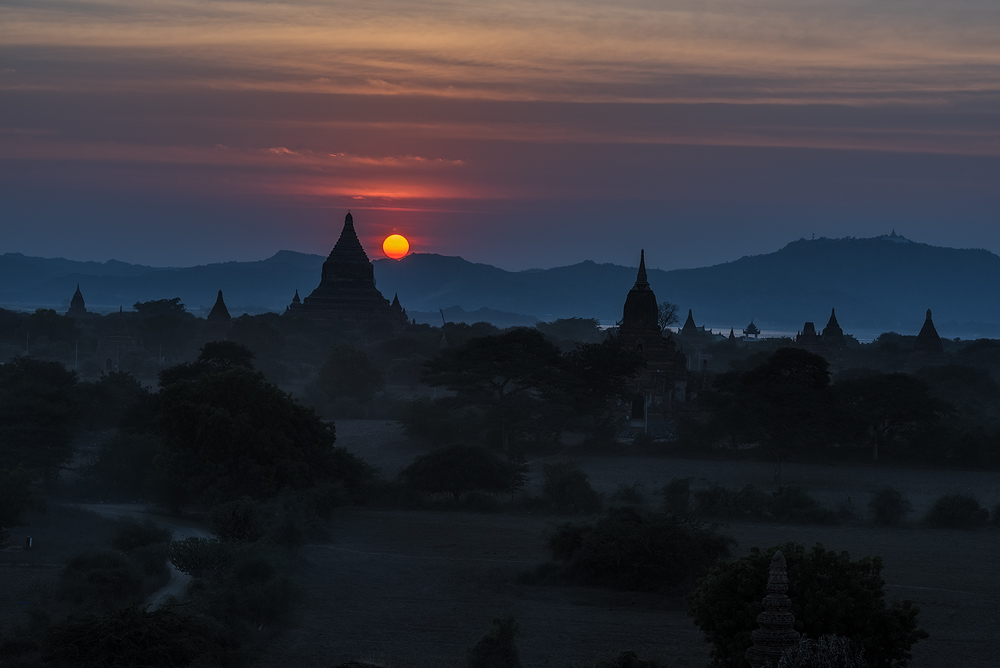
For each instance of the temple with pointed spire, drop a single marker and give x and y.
(218, 323)
(927, 348)
(346, 292)
(663, 379)
(77, 307)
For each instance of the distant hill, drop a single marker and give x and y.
(878, 284)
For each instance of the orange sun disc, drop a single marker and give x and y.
(395, 246)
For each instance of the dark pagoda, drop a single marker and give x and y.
(77, 308)
(663, 375)
(833, 335)
(347, 292)
(927, 349)
(218, 323)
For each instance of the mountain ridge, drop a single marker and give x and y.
(879, 283)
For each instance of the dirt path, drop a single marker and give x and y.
(182, 529)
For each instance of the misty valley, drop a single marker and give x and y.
(339, 485)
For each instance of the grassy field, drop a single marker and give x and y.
(418, 588)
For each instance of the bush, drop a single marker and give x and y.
(201, 556)
(240, 521)
(748, 503)
(677, 496)
(16, 497)
(828, 651)
(957, 511)
(829, 593)
(134, 637)
(629, 550)
(888, 507)
(101, 578)
(131, 534)
(496, 649)
(792, 505)
(629, 495)
(995, 517)
(567, 488)
(123, 465)
(458, 469)
(789, 504)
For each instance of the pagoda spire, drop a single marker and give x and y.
(641, 280)
(777, 623)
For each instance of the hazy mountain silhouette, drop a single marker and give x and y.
(884, 283)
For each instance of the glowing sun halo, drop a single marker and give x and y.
(395, 246)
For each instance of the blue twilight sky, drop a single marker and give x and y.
(522, 134)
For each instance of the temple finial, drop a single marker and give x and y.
(641, 276)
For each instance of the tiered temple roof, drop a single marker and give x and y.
(347, 291)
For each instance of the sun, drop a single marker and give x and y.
(395, 246)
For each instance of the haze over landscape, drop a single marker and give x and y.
(549, 334)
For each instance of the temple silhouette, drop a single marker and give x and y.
(346, 292)
(663, 378)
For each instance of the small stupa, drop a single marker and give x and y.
(777, 623)
(927, 349)
(833, 335)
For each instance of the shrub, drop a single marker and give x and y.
(240, 521)
(828, 651)
(497, 648)
(847, 512)
(135, 637)
(791, 504)
(123, 465)
(995, 517)
(201, 556)
(677, 496)
(567, 488)
(131, 534)
(458, 469)
(888, 507)
(629, 550)
(629, 495)
(16, 497)
(101, 578)
(748, 503)
(829, 593)
(957, 511)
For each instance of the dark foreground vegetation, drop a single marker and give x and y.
(212, 436)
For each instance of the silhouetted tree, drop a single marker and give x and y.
(165, 324)
(499, 373)
(666, 314)
(348, 372)
(233, 434)
(215, 356)
(458, 469)
(594, 377)
(103, 402)
(38, 410)
(881, 409)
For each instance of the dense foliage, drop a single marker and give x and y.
(497, 648)
(232, 434)
(631, 550)
(830, 595)
(957, 511)
(458, 469)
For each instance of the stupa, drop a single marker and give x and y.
(346, 292)
(218, 323)
(927, 349)
(77, 308)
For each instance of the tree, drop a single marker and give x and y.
(106, 400)
(459, 469)
(830, 594)
(501, 374)
(578, 330)
(38, 411)
(594, 377)
(882, 409)
(16, 497)
(166, 324)
(783, 402)
(349, 372)
(233, 434)
(215, 356)
(666, 314)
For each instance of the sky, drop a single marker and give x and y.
(520, 134)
